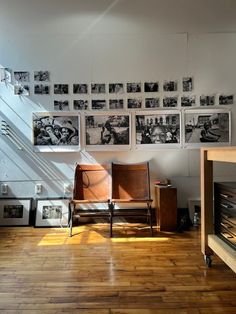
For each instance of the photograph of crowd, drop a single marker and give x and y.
(41, 89)
(41, 76)
(170, 86)
(13, 211)
(207, 127)
(52, 212)
(133, 87)
(152, 102)
(61, 88)
(170, 101)
(55, 130)
(133, 103)
(116, 103)
(161, 128)
(103, 130)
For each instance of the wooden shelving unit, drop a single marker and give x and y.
(210, 243)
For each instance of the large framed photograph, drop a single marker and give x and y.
(52, 212)
(108, 132)
(56, 132)
(15, 211)
(207, 127)
(158, 129)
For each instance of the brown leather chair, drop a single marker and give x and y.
(131, 184)
(92, 185)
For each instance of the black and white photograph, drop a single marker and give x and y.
(116, 103)
(116, 88)
(188, 101)
(226, 99)
(133, 87)
(98, 88)
(62, 105)
(170, 86)
(152, 102)
(206, 127)
(80, 88)
(187, 84)
(134, 103)
(158, 128)
(15, 212)
(21, 90)
(51, 212)
(207, 100)
(42, 76)
(41, 89)
(61, 89)
(21, 76)
(98, 104)
(5, 75)
(55, 131)
(151, 87)
(80, 104)
(170, 101)
(107, 131)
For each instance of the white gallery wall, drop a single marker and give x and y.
(107, 41)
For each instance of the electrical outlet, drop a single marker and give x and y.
(67, 188)
(38, 188)
(4, 189)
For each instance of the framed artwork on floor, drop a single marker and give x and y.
(52, 212)
(207, 127)
(15, 211)
(56, 132)
(107, 131)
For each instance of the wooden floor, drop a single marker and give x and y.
(44, 271)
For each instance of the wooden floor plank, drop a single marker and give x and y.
(42, 270)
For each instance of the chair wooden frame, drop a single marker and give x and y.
(92, 185)
(131, 184)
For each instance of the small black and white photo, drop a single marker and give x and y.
(133, 87)
(150, 87)
(41, 89)
(116, 103)
(98, 104)
(80, 104)
(52, 212)
(57, 129)
(170, 86)
(98, 88)
(5, 75)
(188, 101)
(80, 88)
(152, 102)
(226, 99)
(158, 128)
(187, 84)
(207, 100)
(206, 126)
(62, 105)
(13, 211)
(61, 89)
(107, 130)
(21, 76)
(170, 101)
(116, 88)
(42, 76)
(21, 90)
(134, 103)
